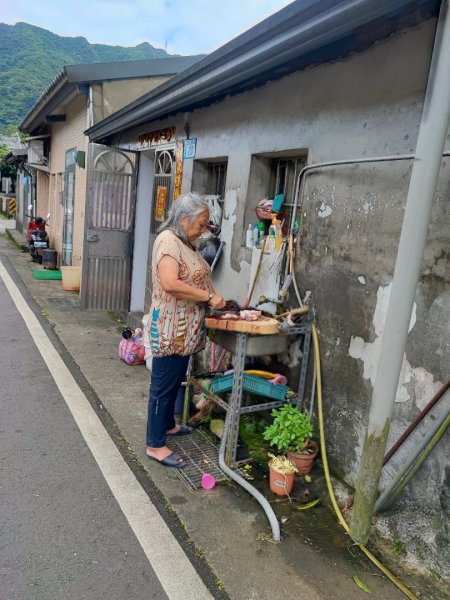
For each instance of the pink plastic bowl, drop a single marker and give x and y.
(208, 481)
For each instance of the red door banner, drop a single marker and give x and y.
(178, 169)
(160, 206)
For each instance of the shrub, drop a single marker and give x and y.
(290, 430)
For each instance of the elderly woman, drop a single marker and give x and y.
(182, 288)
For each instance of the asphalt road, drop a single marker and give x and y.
(62, 533)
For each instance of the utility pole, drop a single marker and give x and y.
(425, 171)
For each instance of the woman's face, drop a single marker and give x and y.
(194, 229)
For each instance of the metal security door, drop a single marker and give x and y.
(109, 224)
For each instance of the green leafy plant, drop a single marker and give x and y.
(290, 430)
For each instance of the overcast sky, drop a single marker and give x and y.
(186, 26)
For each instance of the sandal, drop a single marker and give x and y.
(173, 460)
(184, 430)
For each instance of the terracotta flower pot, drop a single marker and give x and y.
(281, 483)
(304, 462)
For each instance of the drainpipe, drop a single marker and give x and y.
(90, 107)
(425, 171)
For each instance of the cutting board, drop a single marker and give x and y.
(263, 326)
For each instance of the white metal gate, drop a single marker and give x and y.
(109, 224)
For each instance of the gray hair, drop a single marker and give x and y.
(189, 205)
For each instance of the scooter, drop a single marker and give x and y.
(37, 237)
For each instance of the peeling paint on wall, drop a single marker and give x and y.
(325, 210)
(362, 280)
(411, 379)
(240, 279)
(307, 296)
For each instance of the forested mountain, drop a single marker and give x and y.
(31, 57)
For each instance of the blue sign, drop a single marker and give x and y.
(190, 146)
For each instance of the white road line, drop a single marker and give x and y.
(171, 565)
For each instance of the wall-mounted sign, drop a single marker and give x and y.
(156, 138)
(190, 146)
(178, 169)
(160, 205)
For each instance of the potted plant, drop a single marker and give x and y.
(282, 474)
(290, 433)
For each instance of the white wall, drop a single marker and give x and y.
(142, 230)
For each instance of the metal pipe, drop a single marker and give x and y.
(416, 421)
(216, 257)
(412, 464)
(425, 171)
(276, 536)
(339, 163)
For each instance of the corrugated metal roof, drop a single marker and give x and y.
(129, 69)
(305, 33)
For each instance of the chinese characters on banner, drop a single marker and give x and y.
(160, 206)
(156, 138)
(178, 169)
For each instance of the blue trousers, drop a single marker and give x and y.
(168, 373)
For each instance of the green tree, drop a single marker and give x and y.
(6, 170)
(32, 57)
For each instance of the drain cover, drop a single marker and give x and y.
(201, 456)
(64, 303)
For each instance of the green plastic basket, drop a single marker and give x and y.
(47, 274)
(252, 384)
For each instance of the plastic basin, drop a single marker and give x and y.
(257, 345)
(71, 277)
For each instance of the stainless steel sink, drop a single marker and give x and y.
(257, 345)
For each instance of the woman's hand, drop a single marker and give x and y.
(217, 301)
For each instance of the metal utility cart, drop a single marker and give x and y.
(247, 339)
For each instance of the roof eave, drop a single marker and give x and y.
(299, 29)
(52, 97)
(72, 75)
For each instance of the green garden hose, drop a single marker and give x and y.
(401, 586)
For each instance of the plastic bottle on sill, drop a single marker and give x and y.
(275, 235)
(279, 236)
(272, 237)
(256, 233)
(249, 237)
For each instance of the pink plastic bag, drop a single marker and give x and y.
(132, 350)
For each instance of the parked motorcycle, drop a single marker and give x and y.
(37, 237)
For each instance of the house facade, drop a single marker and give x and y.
(341, 93)
(59, 160)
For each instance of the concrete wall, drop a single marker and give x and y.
(367, 105)
(65, 136)
(110, 96)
